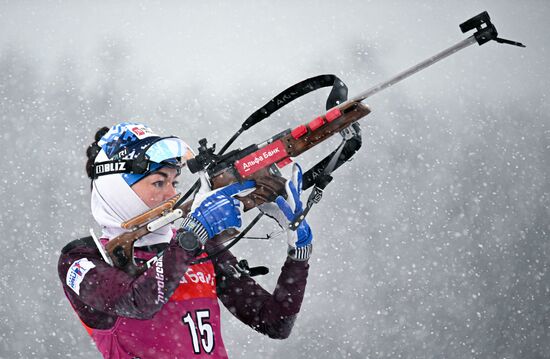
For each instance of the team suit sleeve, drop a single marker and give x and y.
(112, 291)
(270, 314)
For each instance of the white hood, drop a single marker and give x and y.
(114, 202)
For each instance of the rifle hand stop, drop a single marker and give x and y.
(486, 31)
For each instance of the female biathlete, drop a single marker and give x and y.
(171, 309)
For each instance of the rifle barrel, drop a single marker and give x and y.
(416, 68)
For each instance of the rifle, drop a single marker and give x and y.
(261, 162)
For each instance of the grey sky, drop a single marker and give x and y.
(432, 242)
(222, 45)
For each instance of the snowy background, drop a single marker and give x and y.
(432, 243)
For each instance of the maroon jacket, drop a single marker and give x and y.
(171, 310)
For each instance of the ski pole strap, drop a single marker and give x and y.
(338, 94)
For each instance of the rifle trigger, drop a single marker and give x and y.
(348, 133)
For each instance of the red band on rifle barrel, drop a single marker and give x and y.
(315, 124)
(333, 114)
(263, 157)
(299, 131)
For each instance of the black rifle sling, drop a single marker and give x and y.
(338, 94)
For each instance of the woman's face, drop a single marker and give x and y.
(157, 187)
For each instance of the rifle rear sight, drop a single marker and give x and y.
(205, 157)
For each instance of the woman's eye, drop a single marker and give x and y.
(158, 184)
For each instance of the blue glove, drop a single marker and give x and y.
(215, 211)
(284, 211)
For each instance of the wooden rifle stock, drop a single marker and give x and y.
(151, 214)
(334, 121)
(277, 151)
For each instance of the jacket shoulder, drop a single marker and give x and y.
(85, 242)
(76, 249)
(83, 248)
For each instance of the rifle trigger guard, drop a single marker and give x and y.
(348, 133)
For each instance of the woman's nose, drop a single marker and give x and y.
(170, 192)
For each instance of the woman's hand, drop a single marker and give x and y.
(284, 211)
(215, 211)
